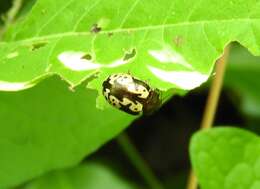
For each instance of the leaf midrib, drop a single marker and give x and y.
(151, 27)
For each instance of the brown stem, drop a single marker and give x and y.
(211, 105)
(213, 98)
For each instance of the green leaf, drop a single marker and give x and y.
(226, 158)
(242, 77)
(175, 48)
(49, 127)
(170, 44)
(90, 175)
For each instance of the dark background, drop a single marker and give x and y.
(163, 138)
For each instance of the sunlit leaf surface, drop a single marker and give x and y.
(176, 42)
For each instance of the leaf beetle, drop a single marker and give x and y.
(130, 94)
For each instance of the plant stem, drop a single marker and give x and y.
(211, 105)
(213, 98)
(10, 16)
(136, 159)
(192, 181)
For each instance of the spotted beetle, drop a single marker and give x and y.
(130, 94)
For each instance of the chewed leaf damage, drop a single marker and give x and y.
(130, 55)
(168, 55)
(95, 28)
(14, 86)
(81, 61)
(186, 80)
(38, 45)
(12, 55)
(77, 61)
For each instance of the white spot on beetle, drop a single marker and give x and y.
(138, 107)
(114, 101)
(127, 81)
(106, 93)
(142, 91)
(138, 89)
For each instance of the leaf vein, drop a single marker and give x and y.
(150, 27)
(84, 14)
(54, 16)
(128, 13)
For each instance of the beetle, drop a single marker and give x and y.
(130, 94)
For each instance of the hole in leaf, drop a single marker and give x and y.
(110, 34)
(38, 45)
(87, 57)
(129, 55)
(178, 41)
(95, 28)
